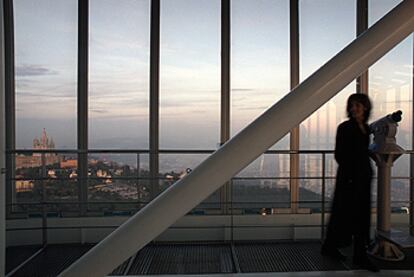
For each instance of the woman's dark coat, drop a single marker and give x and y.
(351, 208)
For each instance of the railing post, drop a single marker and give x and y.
(44, 199)
(138, 181)
(231, 213)
(411, 210)
(323, 196)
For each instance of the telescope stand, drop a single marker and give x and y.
(382, 248)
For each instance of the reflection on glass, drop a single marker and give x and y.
(310, 198)
(45, 70)
(326, 27)
(259, 78)
(263, 186)
(321, 37)
(119, 74)
(267, 165)
(391, 89)
(190, 74)
(329, 194)
(260, 196)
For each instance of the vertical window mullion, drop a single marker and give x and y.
(225, 91)
(362, 25)
(3, 184)
(154, 95)
(412, 155)
(83, 38)
(294, 81)
(10, 102)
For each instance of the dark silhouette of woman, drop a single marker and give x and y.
(351, 208)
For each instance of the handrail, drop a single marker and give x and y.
(58, 206)
(246, 146)
(168, 151)
(161, 151)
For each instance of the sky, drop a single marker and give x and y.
(46, 61)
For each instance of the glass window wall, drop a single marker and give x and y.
(326, 27)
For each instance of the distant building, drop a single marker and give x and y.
(70, 163)
(35, 160)
(51, 173)
(73, 175)
(24, 185)
(103, 174)
(44, 142)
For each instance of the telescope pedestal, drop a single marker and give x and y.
(382, 248)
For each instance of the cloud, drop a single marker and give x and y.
(25, 95)
(29, 70)
(405, 74)
(242, 89)
(398, 81)
(260, 108)
(99, 111)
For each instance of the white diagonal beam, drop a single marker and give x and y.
(246, 146)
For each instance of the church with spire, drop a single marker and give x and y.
(44, 142)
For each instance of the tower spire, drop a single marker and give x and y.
(44, 139)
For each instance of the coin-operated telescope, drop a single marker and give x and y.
(384, 151)
(384, 130)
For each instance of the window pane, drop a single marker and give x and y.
(54, 172)
(190, 74)
(263, 186)
(260, 59)
(391, 89)
(119, 74)
(326, 27)
(321, 37)
(116, 177)
(260, 76)
(46, 71)
(174, 167)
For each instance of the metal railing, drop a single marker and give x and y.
(45, 208)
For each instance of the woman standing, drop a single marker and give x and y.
(351, 208)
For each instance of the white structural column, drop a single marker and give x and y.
(2, 153)
(246, 146)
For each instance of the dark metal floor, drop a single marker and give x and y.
(194, 258)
